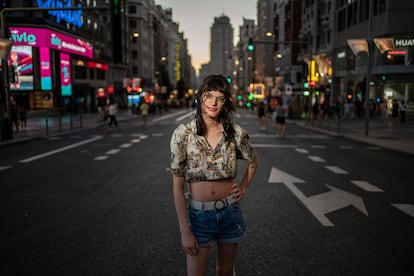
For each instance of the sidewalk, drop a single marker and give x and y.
(392, 135)
(43, 126)
(395, 136)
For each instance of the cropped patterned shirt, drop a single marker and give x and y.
(194, 158)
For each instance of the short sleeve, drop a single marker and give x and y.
(178, 152)
(245, 147)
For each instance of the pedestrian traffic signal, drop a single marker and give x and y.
(250, 45)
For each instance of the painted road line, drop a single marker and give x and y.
(101, 158)
(273, 146)
(186, 115)
(336, 170)
(366, 186)
(316, 159)
(124, 146)
(33, 158)
(113, 151)
(135, 140)
(2, 168)
(406, 208)
(302, 151)
(321, 204)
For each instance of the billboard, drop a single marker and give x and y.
(65, 75)
(20, 64)
(41, 37)
(45, 69)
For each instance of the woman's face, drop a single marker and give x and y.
(212, 103)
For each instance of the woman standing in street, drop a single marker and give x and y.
(204, 155)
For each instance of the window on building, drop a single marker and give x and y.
(91, 73)
(132, 9)
(133, 24)
(81, 72)
(134, 54)
(134, 70)
(100, 74)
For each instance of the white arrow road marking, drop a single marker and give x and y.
(336, 170)
(61, 149)
(366, 186)
(406, 208)
(2, 168)
(302, 151)
(316, 159)
(322, 204)
(113, 151)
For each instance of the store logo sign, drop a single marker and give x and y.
(404, 42)
(24, 37)
(70, 16)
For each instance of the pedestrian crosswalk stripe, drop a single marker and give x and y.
(127, 145)
(113, 151)
(302, 151)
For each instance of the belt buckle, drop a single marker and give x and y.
(219, 204)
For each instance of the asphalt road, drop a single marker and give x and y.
(100, 203)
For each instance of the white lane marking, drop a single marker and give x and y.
(273, 146)
(135, 140)
(302, 151)
(168, 116)
(124, 146)
(316, 159)
(102, 157)
(186, 115)
(144, 136)
(113, 151)
(336, 170)
(346, 147)
(30, 159)
(406, 208)
(2, 168)
(366, 186)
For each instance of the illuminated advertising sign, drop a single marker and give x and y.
(21, 68)
(65, 75)
(40, 37)
(45, 69)
(70, 16)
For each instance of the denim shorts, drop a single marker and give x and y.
(223, 226)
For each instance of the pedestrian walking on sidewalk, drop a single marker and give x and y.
(281, 113)
(204, 157)
(144, 113)
(383, 112)
(395, 110)
(261, 112)
(13, 116)
(22, 112)
(112, 110)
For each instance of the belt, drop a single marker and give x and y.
(212, 205)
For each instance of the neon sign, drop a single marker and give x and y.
(69, 16)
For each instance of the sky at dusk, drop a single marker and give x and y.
(195, 18)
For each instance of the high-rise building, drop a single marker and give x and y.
(221, 46)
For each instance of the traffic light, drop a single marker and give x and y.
(250, 45)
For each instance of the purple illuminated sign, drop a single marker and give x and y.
(45, 69)
(40, 37)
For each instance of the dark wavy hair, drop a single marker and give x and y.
(216, 83)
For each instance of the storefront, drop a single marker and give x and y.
(40, 66)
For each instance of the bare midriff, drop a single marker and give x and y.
(211, 190)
